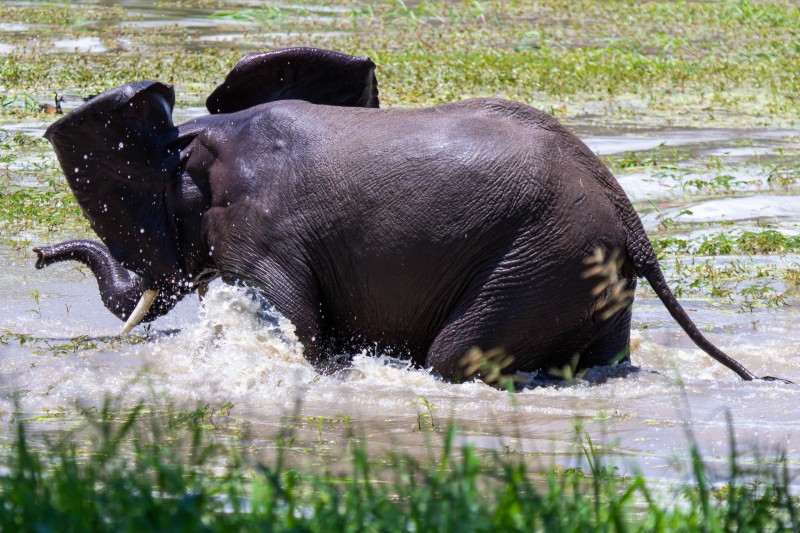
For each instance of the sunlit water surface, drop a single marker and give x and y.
(230, 349)
(233, 349)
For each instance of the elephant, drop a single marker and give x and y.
(424, 233)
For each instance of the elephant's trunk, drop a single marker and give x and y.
(120, 289)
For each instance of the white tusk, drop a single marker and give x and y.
(202, 289)
(148, 297)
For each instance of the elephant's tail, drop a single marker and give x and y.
(641, 254)
(646, 263)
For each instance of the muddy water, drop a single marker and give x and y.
(60, 352)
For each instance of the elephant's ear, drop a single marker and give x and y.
(312, 74)
(118, 155)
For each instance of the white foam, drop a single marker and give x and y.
(236, 351)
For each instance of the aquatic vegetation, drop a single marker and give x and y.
(782, 174)
(555, 53)
(33, 209)
(744, 242)
(63, 14)
(723, 183)
(425, 420)
(740, 280)
(745, 284)
(18, 101)
(61, 347)
(34, 197)
(320, 422)
(660, 157)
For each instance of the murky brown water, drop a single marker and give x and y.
(221, 351)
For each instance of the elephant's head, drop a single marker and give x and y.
(121, 155)
(131, 170)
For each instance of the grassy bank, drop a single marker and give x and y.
(170, 472)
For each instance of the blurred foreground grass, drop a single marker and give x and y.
(163, 473)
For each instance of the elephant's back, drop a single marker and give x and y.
(455, 177)
(403, 212)
(474, 165)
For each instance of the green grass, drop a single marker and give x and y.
(145, 471)
(34, 197)
(761, 242)
(65, 346)
(28, 208)
(741, 280)
(63, 14)
(711, 57)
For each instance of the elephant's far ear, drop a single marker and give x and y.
(312, 74)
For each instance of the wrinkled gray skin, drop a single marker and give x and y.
(426, 232)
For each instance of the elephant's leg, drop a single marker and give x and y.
(536, 342)
(532, 346)
(540, 317)
(480, 324)
(610, 342)
(534, 327)
(292, 291)
(608, 338)
(503, 313)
